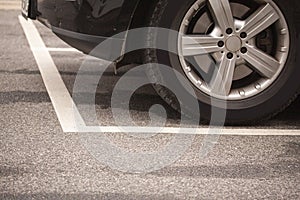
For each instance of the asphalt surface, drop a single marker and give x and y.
(39, 161)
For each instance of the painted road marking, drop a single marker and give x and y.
(62, 102)
(70, 118)
(193, 131)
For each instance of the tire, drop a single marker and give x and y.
(264, 103)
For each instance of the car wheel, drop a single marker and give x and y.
(242, 54)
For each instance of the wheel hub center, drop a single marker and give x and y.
(233, 43)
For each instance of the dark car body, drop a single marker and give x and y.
(84, 24)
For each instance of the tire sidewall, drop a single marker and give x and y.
(271, 100)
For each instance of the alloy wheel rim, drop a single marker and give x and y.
(231, 42)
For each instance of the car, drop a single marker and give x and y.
(245, 53)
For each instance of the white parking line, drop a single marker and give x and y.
(193, 131)
(71, 120)
(58, 93)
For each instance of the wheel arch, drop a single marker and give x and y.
(140, 18)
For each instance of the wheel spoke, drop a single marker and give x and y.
(261, 62)
(221, 12)
(260, 20)
(222, 80)
(199, 45)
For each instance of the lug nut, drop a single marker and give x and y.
(243, 35)
(244, 50)
(229, 31)
(221, 43)
(230, 55)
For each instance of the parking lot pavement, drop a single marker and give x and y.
(10, 5)
(39, 160)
